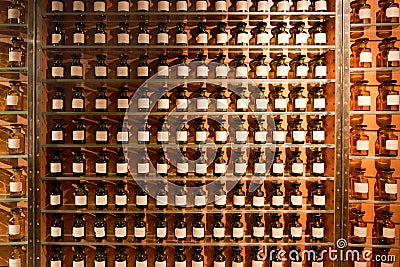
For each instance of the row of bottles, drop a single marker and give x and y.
(277, 199)
(281, 34)
(196, 132)
(273, 229)
(203, 99)
(280, 67)
(198, 6)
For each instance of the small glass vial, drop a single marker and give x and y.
(317, 228)
(16, 182)
(56, 165)
(102, 132)
(181, 37)
(16, 54)
(56, 196)
(101, 166)
(295, 196)
(296, 164)
(121, 228)
(16, 140)
(100, 36)
(222, 34)
(16, 225)
(358, 228)
(79, 133)
(101, 196)
(319, 33)
(359, 188)
(360, 96)
(78, 37)
(15, 258)
(143, 68)
(385, 228)
(386, 186)
(57, 227)
(359, 141)
(242, 36)
(81, 196)
(162, 34)
(14, 96)
(58, 100)
(318, 196)
(58, 36)
(258, 227)
(101, 69)
(317, 132)
(57, 69)
(101, 101)
(123, 37)
(277, 168)
(79, 227)
(318, 100)
(76, 67)
(143, 35)
(79, 258)
(241, 71)
(237, 227)
(15, 12)
(56, 258)
(276, 196)
(297, 132)
(100, 258)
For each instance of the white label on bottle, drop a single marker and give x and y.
(317, 232)
(120, 264)
(141, 264)
(280, 103)
(145, 6)
(143, 136)
(120, 231)
(276, 264)
(162, 168)
(160, 264)
(301, 71)
(101, 200)
(219, 168)
(181, 6)
(318, 135)
(360, 231)
(141, 200)
(162, 38)
(362, 145)
(259, 168)
(100, 71)
(163, 104)
(365, 57)
(277, 232)
(222, 38)
(221, 71)
(201, 5)
(241, 136)
(55, 38)
(361, 264)
(283, 6)
(80, 200)
(239, 200)
(321, 71)
(57, 6)
(202, 38)
(299, 136)
(260, 136)
(57, 71)
(77, 167)
(99, 264)
(56, 103)
(15, 187)
(278, 168)
(56, 264)
(318, 200)
(300, 103)
(258, 201)
(14, 56)
(389, 232)
(243, 38)
(319, 102)
(99, 231)
(238, 232)
(361, 188)
(301, 38)
(321, 5)
(201, 136)
(237, 264)
(161, 200)
(143, 71)
(78, 231)
(262, 38)
(365, 13)
(181, 38)
(182, 136)
(14, 263)
(198, 232)
(56, 135)
(283, 38)
(122, 136)
(197, 264)
(262, 71)
(180, 263)
(55, 167)
(161, 232)
(78, 38)
(101, 136)
(258, 231)
(297, 168)
(78, 263)
(163, 6)
(143, 103)
(222, 104)
(143, 38)
(392, 12)
(282, 71)
(303, 5)
(394, 56)
(219, 264)
(123, 6)
(255, 263)
(392, 145)
(220, 6)
(241, 6)
(219, 232)
(55, 200)
(122, 71)
(296, 231)
(14, 143)
(180, 233)
(99, 6)
(163, 71)
(183, 71)
(162, 136)
(318, 168)
(263, 6)
(78, 6)
(123, 38)
(13, 13)
(121, 200)
(199, 200)
(202, 71)
(393, 100)
(241, 72)
(320, 38)
(101, 167)
(390, 188)
(180, 200)
(277, 200)
(76, 71)
(220, 200)
(101, 103)
(139, 231)
(240, 167)
(296, 200)
(77, 103)
(14, 229)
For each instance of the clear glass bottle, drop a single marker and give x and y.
(14, 96)
(16, 225)
(16, 140)
(15, 12)
(16, 54)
